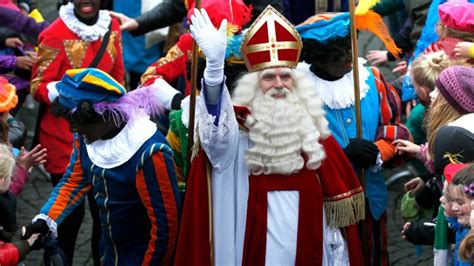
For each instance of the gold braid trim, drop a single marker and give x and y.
(46, 55)
(346, 211)
(173, 54)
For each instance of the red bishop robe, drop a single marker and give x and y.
(338, 190)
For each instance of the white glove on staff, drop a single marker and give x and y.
(212, 42)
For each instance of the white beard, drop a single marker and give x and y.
(282, 132)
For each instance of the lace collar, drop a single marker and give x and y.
(339, 94)
(85, 32)
(113, 152)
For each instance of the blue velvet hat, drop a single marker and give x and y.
(325, 27)
(106, 95)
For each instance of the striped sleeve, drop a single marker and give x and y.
(390, 128)
(158, 189)
(70, 190)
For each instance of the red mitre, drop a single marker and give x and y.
(271, 41)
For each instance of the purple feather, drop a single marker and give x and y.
(142, 100)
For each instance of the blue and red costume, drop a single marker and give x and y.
(138, 202)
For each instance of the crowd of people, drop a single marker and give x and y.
(290, 131)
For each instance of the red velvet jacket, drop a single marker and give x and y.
(173, 64)
(61, 49)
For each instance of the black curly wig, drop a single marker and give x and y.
(84, 114)
(314, 51)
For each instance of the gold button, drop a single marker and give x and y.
(349, 120)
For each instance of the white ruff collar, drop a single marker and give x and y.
(85, 32)
(339, 94)
(113, 152)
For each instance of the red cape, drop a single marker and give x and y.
(194, 246)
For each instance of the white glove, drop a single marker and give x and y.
(52, 91)
(164, 92)
(213, 44)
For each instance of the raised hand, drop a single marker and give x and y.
(414, 185)
(212, 41)
(401, 68)
(34, 157)
(126, 23)
(405, 146)
(377, 57)
(13, 42)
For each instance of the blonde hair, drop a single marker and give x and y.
(427, 67)
(445, 31)
(440, 113)
(7, 161)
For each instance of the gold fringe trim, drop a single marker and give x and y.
(345, 212)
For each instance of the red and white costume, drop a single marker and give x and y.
(307, 217)
(66, 44)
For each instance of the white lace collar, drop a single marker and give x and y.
(339, 94)
(85, 32)
(113, 152)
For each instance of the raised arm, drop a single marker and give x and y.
(217, 125)
(162, 15)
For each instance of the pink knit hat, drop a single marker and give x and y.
(456, 85)
(457, 14)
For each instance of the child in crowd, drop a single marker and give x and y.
(11, 252)
(452, 99)
(459, 195)
(456, 24)
(25, 160)
(424, 71)
(466, 249)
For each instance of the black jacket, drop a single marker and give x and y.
(170, 12)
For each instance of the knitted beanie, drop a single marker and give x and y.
(456, 85)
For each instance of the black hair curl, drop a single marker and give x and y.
(314, 51)
(84, 114)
